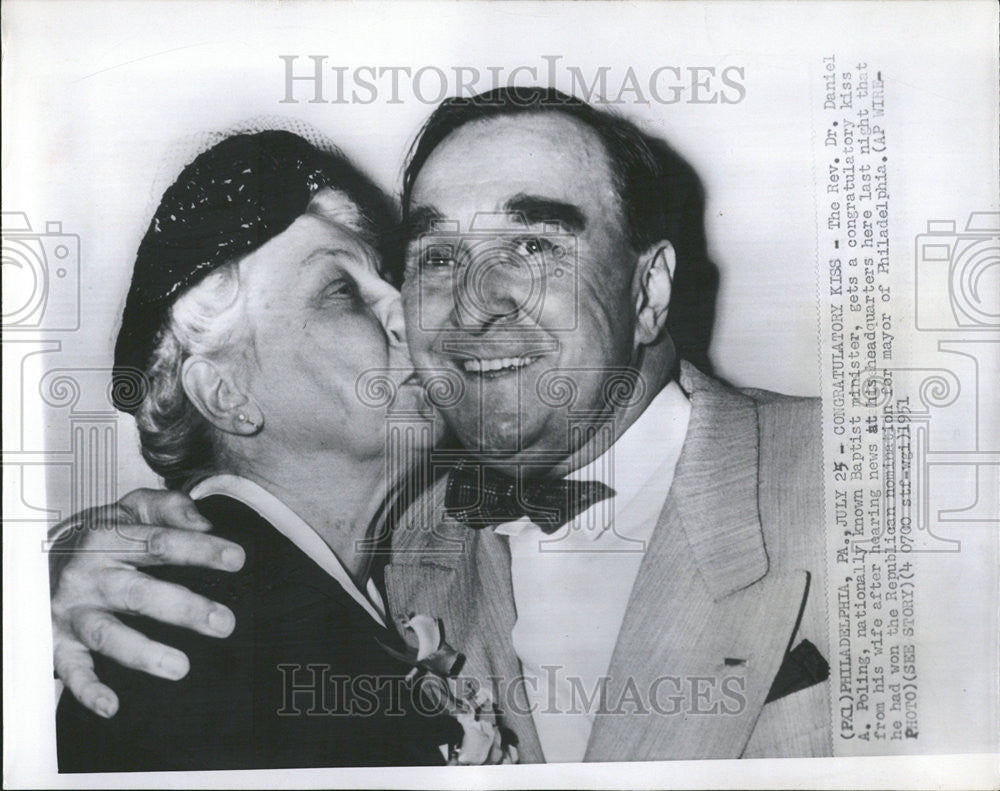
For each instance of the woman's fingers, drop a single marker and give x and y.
(103, 633)
(75, 667)
(160, 507)
(126, 590)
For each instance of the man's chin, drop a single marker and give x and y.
(490, 436)
(506, 442)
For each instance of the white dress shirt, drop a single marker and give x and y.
(296, 530)
(571, 588)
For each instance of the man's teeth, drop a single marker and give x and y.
(496, 364)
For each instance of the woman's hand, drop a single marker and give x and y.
(94, 557)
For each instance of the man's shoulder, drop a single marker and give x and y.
(797, 408)
(790, 479)
(696, 382)
(769, 397)
(789, 461)
(790, 430)
(786, 424)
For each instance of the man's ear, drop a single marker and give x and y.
(219, 399)
(652, 285)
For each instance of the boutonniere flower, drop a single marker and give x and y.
(433, 654)
(436, 666)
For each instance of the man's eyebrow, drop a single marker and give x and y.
(420, 220)
(538, 210)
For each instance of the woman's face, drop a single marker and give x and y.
(327, 340)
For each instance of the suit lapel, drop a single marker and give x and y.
(703, 605)
(462, 576)
(427, 561)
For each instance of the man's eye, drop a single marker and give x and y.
(438, 257)
(534, 245)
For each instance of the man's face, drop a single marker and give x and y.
(538, 297)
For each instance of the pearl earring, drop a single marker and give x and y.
(242, 418)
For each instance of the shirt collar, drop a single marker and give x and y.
(653, 439)
(296, 530)
(639, 465)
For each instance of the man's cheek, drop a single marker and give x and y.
(410, 297)
(559, 310)
(609, 319)
(417, 342)
(429, 313)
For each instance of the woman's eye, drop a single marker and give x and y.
(338, 288)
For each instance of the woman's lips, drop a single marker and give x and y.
(411, 380)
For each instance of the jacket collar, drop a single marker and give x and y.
(715, 485)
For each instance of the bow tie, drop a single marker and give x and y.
(479, 496)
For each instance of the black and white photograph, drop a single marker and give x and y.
(501, 394)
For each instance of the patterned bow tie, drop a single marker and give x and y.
(479, 496)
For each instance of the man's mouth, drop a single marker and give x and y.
(496, 366)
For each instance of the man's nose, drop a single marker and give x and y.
(493, 291)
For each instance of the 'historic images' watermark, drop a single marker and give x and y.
(316, 79)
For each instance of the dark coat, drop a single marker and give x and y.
(252, 700)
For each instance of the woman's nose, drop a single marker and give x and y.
(388, 308)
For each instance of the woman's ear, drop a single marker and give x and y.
(654, 279)
(219, 399)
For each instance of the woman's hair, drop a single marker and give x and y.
(207, 320)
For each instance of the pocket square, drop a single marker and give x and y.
(802, 667)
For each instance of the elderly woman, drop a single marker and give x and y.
(256, 310)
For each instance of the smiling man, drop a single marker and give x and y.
(628, 552)
(553, 298)
(652, 543)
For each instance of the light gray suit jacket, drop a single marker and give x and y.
(734, 571)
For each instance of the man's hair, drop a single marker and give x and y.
(660, 195)
(638, 177)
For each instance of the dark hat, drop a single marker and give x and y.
(229, 201)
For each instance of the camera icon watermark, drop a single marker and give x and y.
(958, 274)
(41, 276)
(501, 272)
